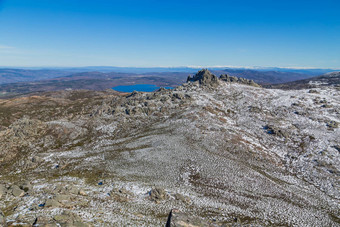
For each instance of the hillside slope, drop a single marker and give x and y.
(222, 153)
(328, 79)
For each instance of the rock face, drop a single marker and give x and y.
(205, 78)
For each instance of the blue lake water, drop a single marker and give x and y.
(138, 87)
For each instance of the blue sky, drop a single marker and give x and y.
(145, 33)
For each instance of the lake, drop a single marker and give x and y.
(138, 87)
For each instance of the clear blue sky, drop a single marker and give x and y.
(144, 33)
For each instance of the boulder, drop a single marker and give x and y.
(26, 186)
(17, 192)
(52, 203)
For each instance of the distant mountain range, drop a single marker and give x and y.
(14, 82)
(9, 75)
(265, 75)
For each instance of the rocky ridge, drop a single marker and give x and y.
(221, 153)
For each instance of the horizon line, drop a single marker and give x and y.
(189, 67)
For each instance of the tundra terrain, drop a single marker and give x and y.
(216, 151)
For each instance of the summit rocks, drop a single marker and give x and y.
(205, 78)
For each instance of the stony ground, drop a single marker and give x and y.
(219, 152)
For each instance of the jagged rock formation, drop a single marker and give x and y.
(234, 79)
(204, 77)
(221, 153)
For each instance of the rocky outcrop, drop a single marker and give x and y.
(234, 79)
(205, 78)
(177, 218)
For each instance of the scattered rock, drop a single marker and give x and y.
(121, 195)
(17, 192)
(74, 190)
(158, 194)
(52, 203)
(313, 91)
(69, 219)
(26, 186)
(332, 124)
(337, 147)
(180, 219)
(3, 190)
(254, 109)
(82, 192)
(182, 198)
(273, 130)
